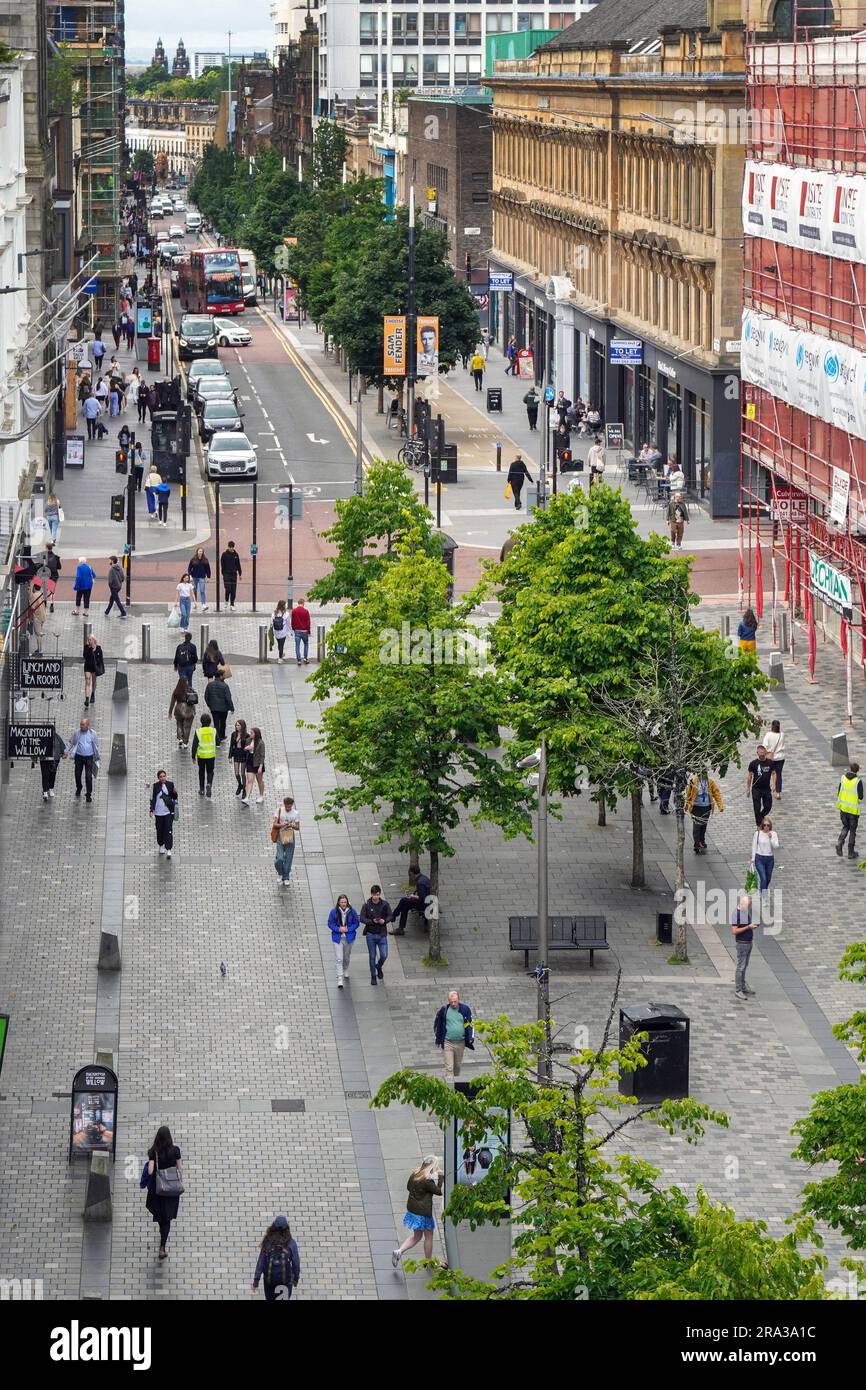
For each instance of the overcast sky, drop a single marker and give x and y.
(200, 23)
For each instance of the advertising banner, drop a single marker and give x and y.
(626, 352)
(807, 374)
(845, 229)
(143, 320)
(789, 505)
(813, 197)
(812, 209)
(839, 496)
(93, 1118)
(42, 673)
(394, 345)
(33, 741)
(525, 364)
(830, 585)
(427, 348)
(821, 377)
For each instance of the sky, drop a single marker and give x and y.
(200, 23)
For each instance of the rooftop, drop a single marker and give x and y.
(458, 96)
(631, 23)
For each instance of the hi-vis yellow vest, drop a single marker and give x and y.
(848, 800)
(206, 742)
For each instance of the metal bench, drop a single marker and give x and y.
(564, 934)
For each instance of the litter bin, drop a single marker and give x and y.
(443, 464)
(494, 398)
(666, 1075)
(449, 549)
(153, 346)
(665, 928)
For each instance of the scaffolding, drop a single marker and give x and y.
(803, 478)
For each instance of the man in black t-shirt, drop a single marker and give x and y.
(758, 784)
(741, 926)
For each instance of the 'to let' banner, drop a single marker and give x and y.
(394, 345)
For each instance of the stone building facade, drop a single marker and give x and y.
(449, 158)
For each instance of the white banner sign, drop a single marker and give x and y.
(822, 378)
(807, 208)
(830, 585)
(839, 496)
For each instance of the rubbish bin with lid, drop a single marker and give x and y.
(666, 1075)
(449, 549)
(444, 464)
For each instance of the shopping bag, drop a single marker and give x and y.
(507, 490)
(174, 617)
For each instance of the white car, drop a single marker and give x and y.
(233, 334)
(231, 455)
(176, 231)
(161, 237)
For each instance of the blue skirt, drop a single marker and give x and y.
(419, 1223)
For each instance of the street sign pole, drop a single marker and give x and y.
(216, 491)
(254, 546)
(291, 529)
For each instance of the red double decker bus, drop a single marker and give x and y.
(210, 282)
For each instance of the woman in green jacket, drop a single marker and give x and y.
(423, 1185)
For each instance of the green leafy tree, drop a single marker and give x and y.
(63, 81)
(414, 717)
(152, 78)
(370, 530)
(587, 1221)
(329, 152)
(332, 228)
(143, 163)
(834, 1131)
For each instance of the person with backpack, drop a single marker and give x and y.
(94, 667)
(116, 578)
(280, 627)
(161, 1176)
(204, 747)
(531, 401)
(186, 657)
(343, 923)
(279, 1262)
(182, 706)
(702, 798)
(163, 808)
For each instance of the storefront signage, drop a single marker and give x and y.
(90, 286)
(525, 364)
(626, 352)
(665, 370)
(32, 741)
(471, 231)
(93, 1116)
(829, 585)
(500, 280)
(143, 320)
(73, 452)
(811, 209)
(839, 496)
(614, 436)
(824, 378)
(788, 505)
(394, 345)
(42, 673)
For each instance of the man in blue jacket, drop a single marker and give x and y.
(453, 1032)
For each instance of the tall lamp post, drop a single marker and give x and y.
(537, 761)
(411, 319)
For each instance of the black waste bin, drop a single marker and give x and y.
(494, 398)
(665, 928)
(449, 548)
(666, 1075)
(443, 464)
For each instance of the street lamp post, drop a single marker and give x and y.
(411, 317)
(538, 762)
(359, 445)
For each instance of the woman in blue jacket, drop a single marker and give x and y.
(85, 578)
(746, 631)
(279, 1262)
(343, 926)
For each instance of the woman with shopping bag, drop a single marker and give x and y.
(285, 827)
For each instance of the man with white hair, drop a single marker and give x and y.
(741, 926)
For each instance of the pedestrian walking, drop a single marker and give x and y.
(747, 631)
(849, 801)
(140, 463)
(186, 657)
(163, 496)
(51, 512)
(204, 748)
(115, 332)
(116, 577)
(476, 366)
(518, 473)
(37, 610)
(151, 483)
(562, 405)
(596, 460)
(48, 767)
(239, 745)
(423, 1185)
(85, 578)
(114, 400)
(703, 797)
(199, 572)
(774, 742)
(765, 842)
(100, 390)
(212, 659)
(130, 333)
(133, 386)
(453, 1032)
(98, 350)
(412, 902)
(678, 515)
(301, 623)
(279, 1262)
(255, 768)
(531, 401)
(185, 593)
(53, 564)
(343, 925)
(375, 915)
(759, 784)
(286, 824)
(91, 411)
(280, 627)
(183, 705)
(511, 357)
(163, 809)
(218, 698)
(741, 926)
(84, 749)
(142, 402)
(94, 667)
(230, 569)
(161, 1176)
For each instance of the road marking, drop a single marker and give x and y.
(313, 440)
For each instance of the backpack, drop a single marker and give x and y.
(281, 1259)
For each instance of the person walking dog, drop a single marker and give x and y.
(343, 925)
(453, 1032)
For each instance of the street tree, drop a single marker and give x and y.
(590, 1220)
(369, 531)
(333, 225)
(143, 163)
(834, 1131)
(413, 722)
(329, 153)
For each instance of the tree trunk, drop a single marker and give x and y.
(414, 863)
(602, 810)
(380, 400)
(638, 874)
(434, 950)
(682, 942)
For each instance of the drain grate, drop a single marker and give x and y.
(358, 1095)
(298, 1105)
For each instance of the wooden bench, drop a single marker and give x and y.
(563, 934)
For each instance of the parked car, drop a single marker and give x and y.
(233, 334)
(217, 416)
(231, 455)
(207, 366)
(196, 337)
(212, 388)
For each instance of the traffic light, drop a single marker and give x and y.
(118, 507)
(121, 461)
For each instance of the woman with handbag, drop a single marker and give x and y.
(94, 667)
(212, 659)
(280, 627)
(185, 594)
(255, 767)
(239, 746)
(182, 706)
(286, 824)
(162, 1177)
(163, 808)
